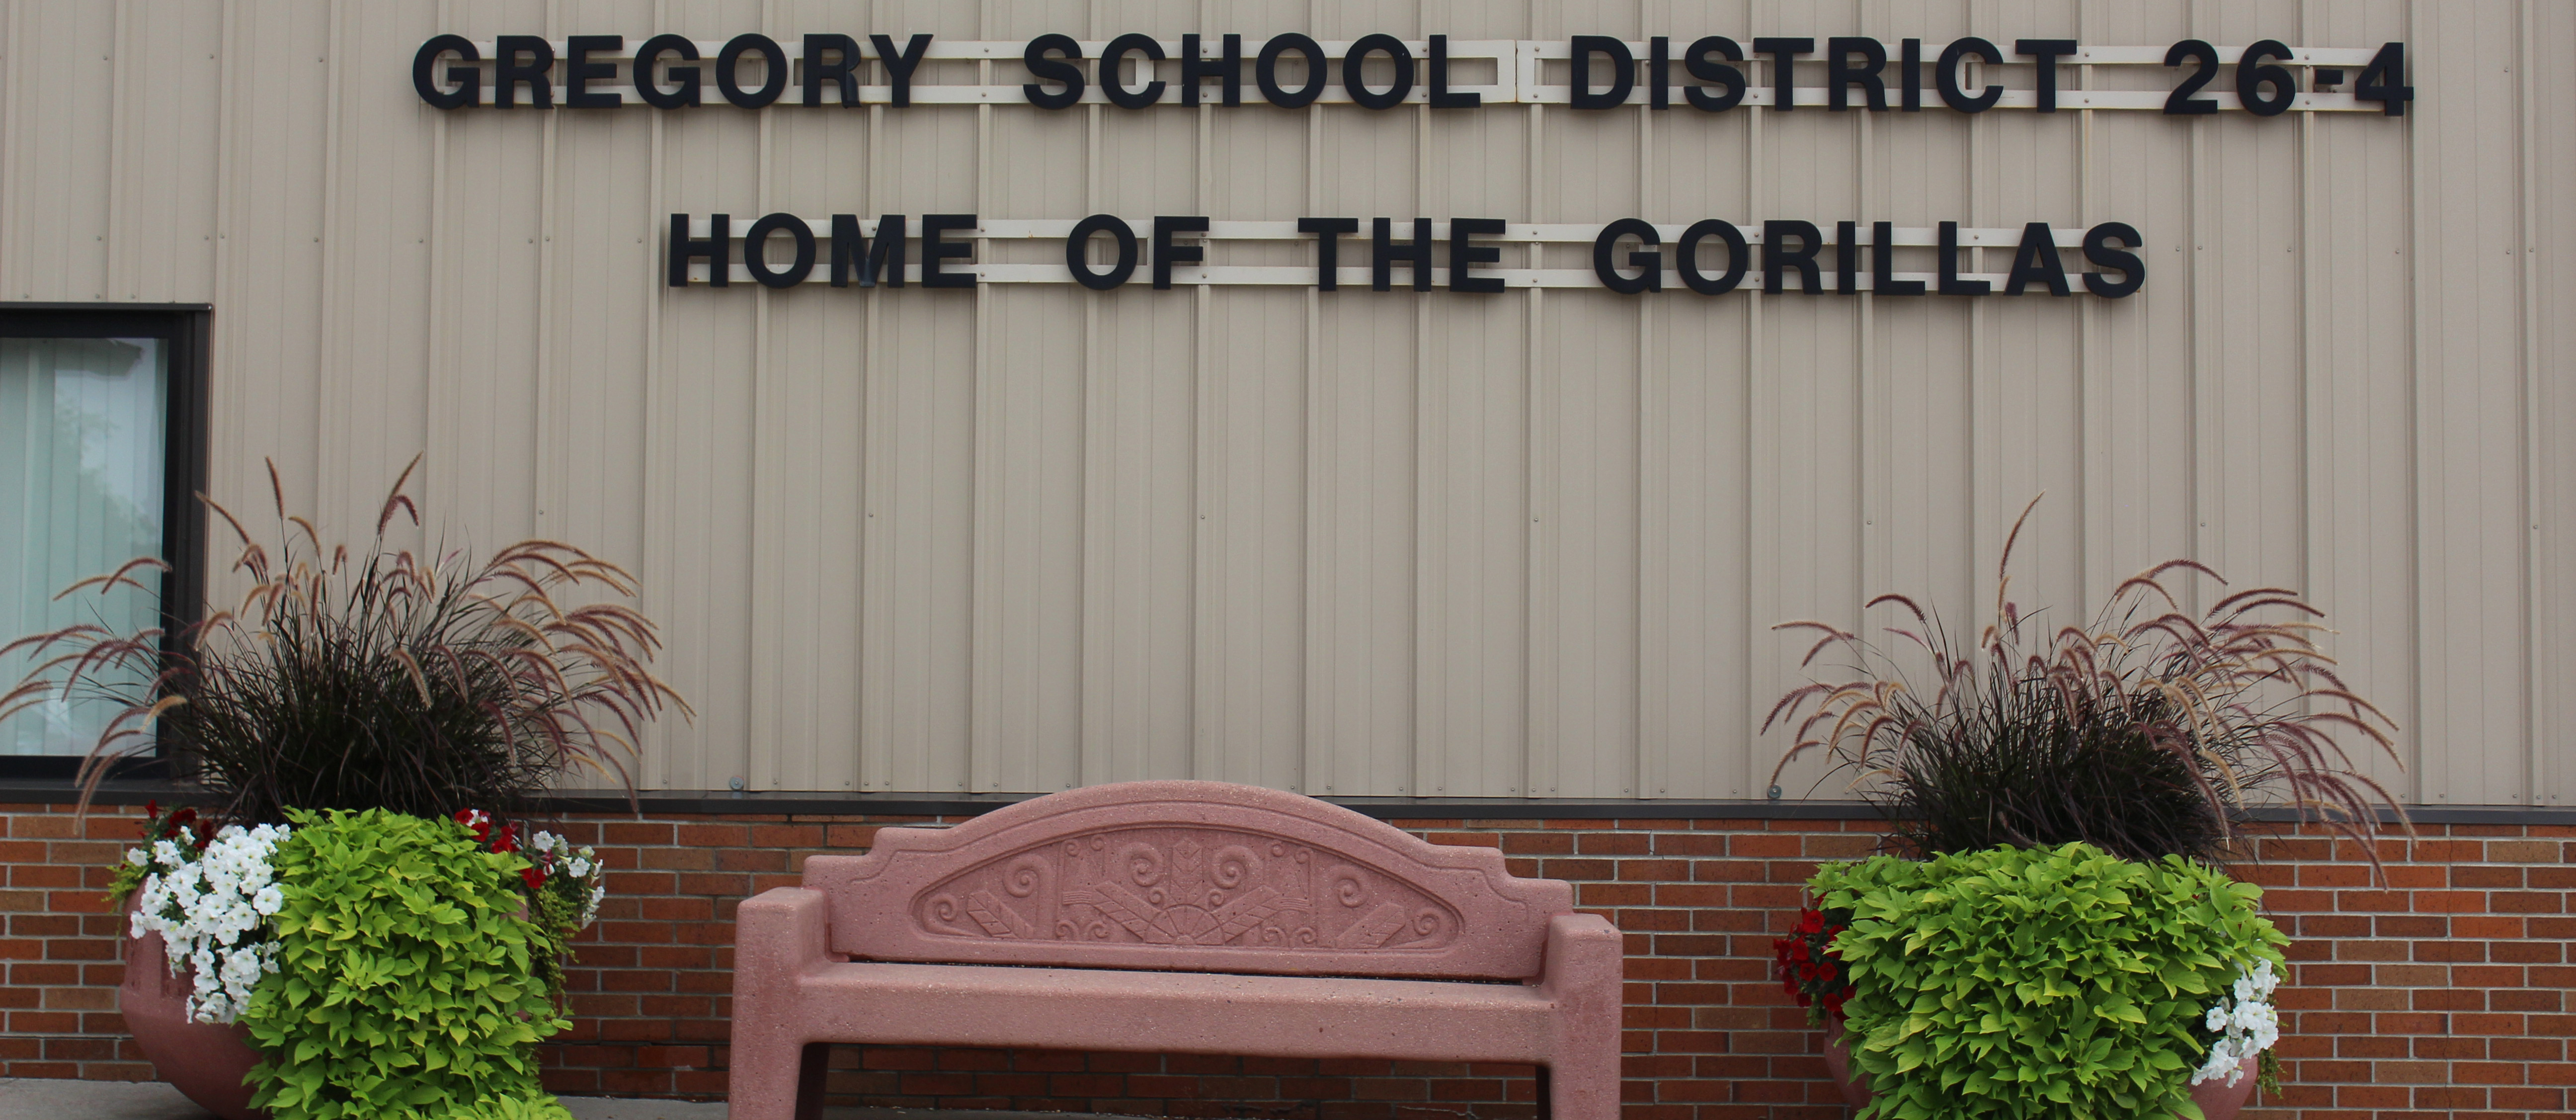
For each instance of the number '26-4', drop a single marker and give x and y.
(2266, 87)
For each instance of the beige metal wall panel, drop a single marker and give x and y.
(1250, 582)
(65, 105)
(2469, 421)
(269, 326)
(1472, 538)
(698, 499)
(163, 246)
(1249, 644)
(2549, 130)
(1029, 541)
(1526, 544)
(1360, 523)
(917, 559)
(1583, 547)
(377, 147)
(1472, 638)
(1139, 537)
(807, 474)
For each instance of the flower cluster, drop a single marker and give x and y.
(1806, 964)
(574, 874)
(2240, 1025)
(209, 895)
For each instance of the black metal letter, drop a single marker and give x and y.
(1840, 74)
(1114, 55)
(1605, 253)
(1385, 251)
(729, 67)
(508, 73)
(1951, 285)
(1946, 74)
(1784, 88)
(755, 250)
(1077, 244)
(842, 71)
(580, 71)
(717, 249)
(2047, 51)
(1194, 70)
(1358, 53)
(1167, 254)
(2098, 249)
(1882, 263)
(1686, 256)
(1265, 71)
(1706, 69)
(1776, 260)
(1441, 98)
(650, 55)
(1623, 72)
(1328, 247)
(900, 65)
(468, 78)
(1060, 70)
(1464, 254)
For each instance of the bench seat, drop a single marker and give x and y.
(1178, 1012)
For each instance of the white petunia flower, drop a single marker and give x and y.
(2246, 1023)
(210, 906)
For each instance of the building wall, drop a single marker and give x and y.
(2443, 990)
(1529, 544)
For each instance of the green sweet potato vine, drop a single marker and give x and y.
(406, 977)
(2030, 983)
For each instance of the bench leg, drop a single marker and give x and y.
(1579, 1094)
(1580, 1080)
(777, 1066)
(779, 1083)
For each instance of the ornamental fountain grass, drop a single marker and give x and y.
(2052, 932)
(360, 735)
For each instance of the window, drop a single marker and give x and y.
(101, 437)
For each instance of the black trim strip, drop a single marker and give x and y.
(26, 791)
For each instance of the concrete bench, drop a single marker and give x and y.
(1188, 917)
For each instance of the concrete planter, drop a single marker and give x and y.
(2217, 1100)
(205, 1061)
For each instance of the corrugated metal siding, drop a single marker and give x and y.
(1355, 543)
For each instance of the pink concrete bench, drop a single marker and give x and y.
(1188, 917)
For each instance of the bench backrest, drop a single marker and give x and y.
(1187, 876)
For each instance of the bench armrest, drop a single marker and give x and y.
(782, 932)
(1585, 954)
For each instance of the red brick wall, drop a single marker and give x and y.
(2443, 992)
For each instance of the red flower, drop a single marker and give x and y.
(533, 877)
(1825, 972)
(508, 840)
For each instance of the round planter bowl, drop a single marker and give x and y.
(2217, 1099)
(204, 1061)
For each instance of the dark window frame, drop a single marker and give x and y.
(187, 331)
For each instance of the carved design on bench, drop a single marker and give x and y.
(1166, 885)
